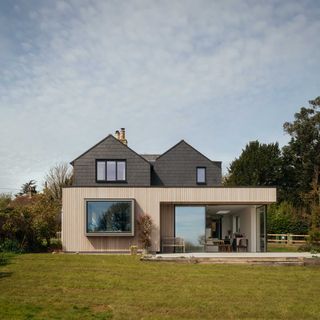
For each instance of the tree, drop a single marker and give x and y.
(45, 216)
(115, 218)
(302, 156)
(283, 217)
(258, 165)
(25, 222)
(16, 227)
(58, 177)
(28, 188)
(5, 199)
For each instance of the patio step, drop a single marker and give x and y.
(255, 261)
(289, 261)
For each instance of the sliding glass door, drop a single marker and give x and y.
(261, 229)
(190, 225)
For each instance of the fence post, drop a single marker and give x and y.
(289, 239)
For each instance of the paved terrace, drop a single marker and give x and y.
(238, 255)
(265, 258)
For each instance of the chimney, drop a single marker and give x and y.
(122, 136)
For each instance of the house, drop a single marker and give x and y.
(180, 189)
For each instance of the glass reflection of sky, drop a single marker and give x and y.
(190, 223)
(95, 211)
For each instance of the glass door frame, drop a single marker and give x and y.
(258, 227)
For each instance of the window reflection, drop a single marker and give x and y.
(109, 216)
(190, 225)
(111, 170)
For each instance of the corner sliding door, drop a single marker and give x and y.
(261, 229)
(190, 225)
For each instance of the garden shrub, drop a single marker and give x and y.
(313, 243)
(3, 259)
(284, 218)
(309, 247)
(55, 245)
(145, 227)
(27, 224)
(9, 245)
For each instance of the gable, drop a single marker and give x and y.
(178, 165)
(137, 168)
(109, 140)
(183, 149)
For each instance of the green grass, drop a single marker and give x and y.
(46, 286)
(276, 247)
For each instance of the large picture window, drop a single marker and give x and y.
(111, 170)
(109, 217)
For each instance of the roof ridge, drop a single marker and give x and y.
(188, 144)
(108, 136)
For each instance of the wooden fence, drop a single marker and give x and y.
(287, 238)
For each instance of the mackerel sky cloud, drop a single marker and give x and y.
(215, 73)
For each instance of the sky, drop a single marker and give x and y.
(215, 73)
(190, 222)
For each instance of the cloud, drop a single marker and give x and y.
(215, 73)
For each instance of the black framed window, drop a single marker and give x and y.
(109, 217)
(201, 175)
(111, 170)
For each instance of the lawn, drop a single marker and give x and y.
(276, 247)
(46, 286)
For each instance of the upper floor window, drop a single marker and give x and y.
(201, 175)
(111, 170)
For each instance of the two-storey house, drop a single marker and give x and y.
(180, 189)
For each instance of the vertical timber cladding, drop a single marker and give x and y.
(147, 200)
(166, 220)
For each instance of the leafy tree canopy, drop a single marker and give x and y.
(302, 154)
(28, 187)
(258, 165)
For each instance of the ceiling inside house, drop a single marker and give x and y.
(214, 209)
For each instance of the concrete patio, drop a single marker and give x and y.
(238, 255)
(267, 258)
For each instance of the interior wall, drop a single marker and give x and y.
(226, 225)
(246, 225)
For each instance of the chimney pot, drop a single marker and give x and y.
(122, 136)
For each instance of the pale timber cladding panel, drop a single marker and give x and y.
(147, 200)
(166, 220)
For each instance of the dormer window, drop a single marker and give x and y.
(111, 170)
(201, 175)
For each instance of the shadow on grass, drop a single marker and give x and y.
(5, 259)
(5, 274)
